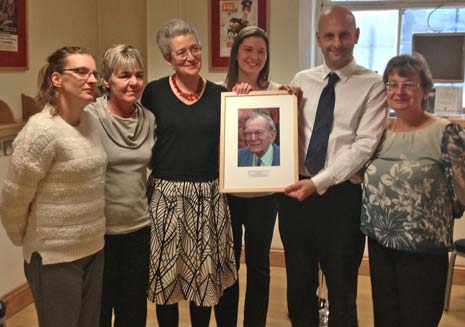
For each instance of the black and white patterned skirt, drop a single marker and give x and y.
(192, 250)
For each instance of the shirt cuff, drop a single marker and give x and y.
(322, 181)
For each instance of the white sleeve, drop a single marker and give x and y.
(368, 134)
(30, 161)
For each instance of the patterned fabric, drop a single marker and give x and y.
(405, 203)
(453, 155)
(192, 254)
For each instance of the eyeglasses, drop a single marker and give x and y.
(83, 72)
(406, 86)
(195, 50)
(258, 133)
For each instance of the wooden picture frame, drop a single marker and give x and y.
(239, 173)
(13, 40)
(227, 17)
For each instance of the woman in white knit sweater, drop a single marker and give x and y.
(52, 201)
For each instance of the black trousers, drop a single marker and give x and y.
(168, 315)
(125, 279)
(407, 288)
(258, 216)
(323, 230)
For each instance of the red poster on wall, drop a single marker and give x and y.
(13, 47)
(227, 18)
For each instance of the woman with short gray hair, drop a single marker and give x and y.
(173, 28)
(192, 255)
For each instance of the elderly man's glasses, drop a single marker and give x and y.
(258, 133)
(83, 72)
(195, 50)
(406, 86)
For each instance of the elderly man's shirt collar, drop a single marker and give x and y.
(266, 159)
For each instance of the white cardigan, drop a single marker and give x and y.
(52, 201)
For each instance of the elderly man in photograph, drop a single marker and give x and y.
(342, 117)
(259, 134)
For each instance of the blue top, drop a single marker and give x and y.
(245, 158)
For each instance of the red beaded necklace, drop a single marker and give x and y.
(188, 96)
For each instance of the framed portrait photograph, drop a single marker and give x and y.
(227, 18)
(13, 47)
(258, 145)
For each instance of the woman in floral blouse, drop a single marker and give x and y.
(410, 191)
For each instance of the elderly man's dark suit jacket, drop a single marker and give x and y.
(244, 157)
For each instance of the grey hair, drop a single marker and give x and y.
(257, 114)
(171, 29)
(121, 57)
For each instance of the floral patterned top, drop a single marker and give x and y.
(406, 205)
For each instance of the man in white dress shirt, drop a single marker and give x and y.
(320, 220)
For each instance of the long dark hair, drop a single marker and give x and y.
(233, 69)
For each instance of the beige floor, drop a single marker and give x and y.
(277, 309)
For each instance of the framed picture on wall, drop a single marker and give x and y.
(258, 143)
(227, 18)
(13, 43)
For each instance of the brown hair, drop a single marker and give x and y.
(233, 69)
(408, 65)
(55, 63)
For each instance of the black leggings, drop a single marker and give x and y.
(168, 315)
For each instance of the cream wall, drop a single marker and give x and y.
(283, 35)
(119, 24)
(51, 24)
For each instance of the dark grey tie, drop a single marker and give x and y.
(259, 162)
(316, 152)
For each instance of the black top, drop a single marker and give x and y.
(187, 142)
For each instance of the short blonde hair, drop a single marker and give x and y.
(121, 57)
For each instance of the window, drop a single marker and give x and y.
(386, 27)
(378, 42)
